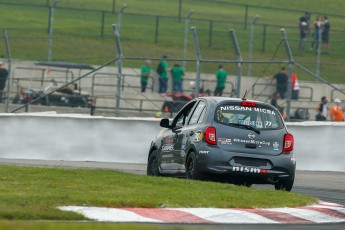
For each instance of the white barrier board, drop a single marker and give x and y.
(49, 136)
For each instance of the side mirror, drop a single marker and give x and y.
(165, 123)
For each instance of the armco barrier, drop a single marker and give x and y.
(49, 136)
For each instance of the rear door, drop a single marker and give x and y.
(254, 129)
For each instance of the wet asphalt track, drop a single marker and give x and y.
(327, 186)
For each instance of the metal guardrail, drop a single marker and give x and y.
(333, 92)
(263, 92)
(43, 70)
(95, 75)
(227, 92)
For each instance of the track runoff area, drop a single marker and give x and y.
(322, 212)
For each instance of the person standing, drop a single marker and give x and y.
(295, 87)
(220, 75)
(322, 110)
(281, 82)
(162, 71)
(145, 74)
(304, 23)
(274, 101)
(177, 73)
(336, 112)
(3, 78)
(325, 35)
(317, 30)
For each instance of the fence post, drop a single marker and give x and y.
(291, 62)
(179, 10)
(251, 41)
(120, 15)
(50, 35)
(239, 64)
(102, 26)
(264, 38)
(210, 34)
(245, 17)
(9, 82)
(119, 69)
(186, 37)
(197, 52)
(157, 27)
(113, 8)
(318, 52)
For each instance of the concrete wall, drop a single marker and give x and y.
(49, 136)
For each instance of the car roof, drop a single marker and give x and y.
(219, 100)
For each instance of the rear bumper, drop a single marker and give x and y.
(220, 162)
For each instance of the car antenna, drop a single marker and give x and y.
(244, 96)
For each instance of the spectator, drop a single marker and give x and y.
(281, 81)
(177, 74)
(336, 112)
(295, 87)
(325, 35)
(304, 23)
(3, 78)
(317, 30)
(322, 110)
(145, 74)
(274, 101)
(221, 78)
(162, 71)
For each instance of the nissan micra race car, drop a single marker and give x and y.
(229, 139)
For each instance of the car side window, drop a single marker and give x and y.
(181, 117)
(198, 113)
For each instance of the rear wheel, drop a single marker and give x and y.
(152, 165)
(284, 185)
(192, 172)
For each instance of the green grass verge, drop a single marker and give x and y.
(32, 193)
(30, 225)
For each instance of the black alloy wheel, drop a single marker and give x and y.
(152, 165)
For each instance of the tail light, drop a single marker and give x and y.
(288, 142)
(248, 103)
(210, 135)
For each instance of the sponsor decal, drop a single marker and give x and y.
(251, 135)
(235, 108)
(262, 110)
(242, 108)
(204, 152)
(245, 122)
(161, 133)
(224, 141)
(249, 170)
(169, 140)
(293, 160)
(183, 148)
(252, 142)
(167, 148)
(198, 136)
(275, 145)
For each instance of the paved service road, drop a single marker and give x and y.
(327, 186)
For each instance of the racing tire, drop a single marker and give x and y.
(192, 172)
(284, 185)
(152, 165)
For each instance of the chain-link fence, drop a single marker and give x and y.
(261, 53)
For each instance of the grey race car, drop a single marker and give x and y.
(217, 138)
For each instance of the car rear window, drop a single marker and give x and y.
(260, 117)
